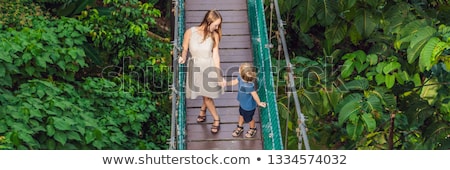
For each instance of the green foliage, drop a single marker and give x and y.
(52, 97)
(120, 28)
(18, 13)
(48, 49)
(376, 76)
(50, 115)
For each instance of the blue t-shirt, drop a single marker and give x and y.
(244, 97)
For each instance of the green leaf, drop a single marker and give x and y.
(374, 104)
(73, 136)
(372, 59)
(370, 121)
(360, 66)
(2, 70)
(27, 57)
(426, 55)
(69, 42)
(380, 79)
(336, 32)
(89, 137)
(326, 12)
(364, 22)
(391, 67)
(413, 52)
(30, 70)
(35, 113)
(60, 137)
(355, 130)
(28, 139)
(305, 14)
(6, 58)
(61, 124)
(390, 80)
(347, 69)
(50, 130)
(361, 84)
(43, 60)
(349, 109)
(40, 92)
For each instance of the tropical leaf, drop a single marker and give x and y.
(326, 12)
(355, 36)
(336, 32)
(365, 23)
(372, 59)
(432, 49)
(360, 84)
(437, 134)
(374, 104)
(354, 130)
(350, 108)
(389, 80)
(413, 52)
(347, 68)
(391, 67)
(307, 9)
(417, 113)
(370, 121)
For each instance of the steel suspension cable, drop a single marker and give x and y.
(291, 84)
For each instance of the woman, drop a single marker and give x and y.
(204, 76)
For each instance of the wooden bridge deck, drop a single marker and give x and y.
(235, 48)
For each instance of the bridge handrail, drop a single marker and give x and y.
(270, 123)
(178, 124)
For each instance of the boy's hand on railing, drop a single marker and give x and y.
(262, 104)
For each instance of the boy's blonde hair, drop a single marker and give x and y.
(247, 72)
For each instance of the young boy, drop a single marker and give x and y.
(248, 99)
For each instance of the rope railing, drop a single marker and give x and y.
(302, 135)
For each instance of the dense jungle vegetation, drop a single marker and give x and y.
(86, 74)
(370, 74)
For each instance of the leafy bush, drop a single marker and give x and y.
(49, 115)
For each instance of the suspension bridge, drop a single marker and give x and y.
(245, 39)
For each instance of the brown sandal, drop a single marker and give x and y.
(238, 131)
(214, 128)
(201, 118)
(251, 133)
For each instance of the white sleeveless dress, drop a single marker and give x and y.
(202, 75)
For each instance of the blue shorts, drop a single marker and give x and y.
(247, 115)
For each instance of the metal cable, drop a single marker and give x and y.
(291, 84)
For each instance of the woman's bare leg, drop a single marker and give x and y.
(209, 102)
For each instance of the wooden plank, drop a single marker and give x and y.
(230, 69)
(237, 41)
(221, 5)
(236, 55)
(215, 2)
(227, 115)
(229, 28)
(227, 16)
(226, 145)
(218, 102)
(199, 132)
